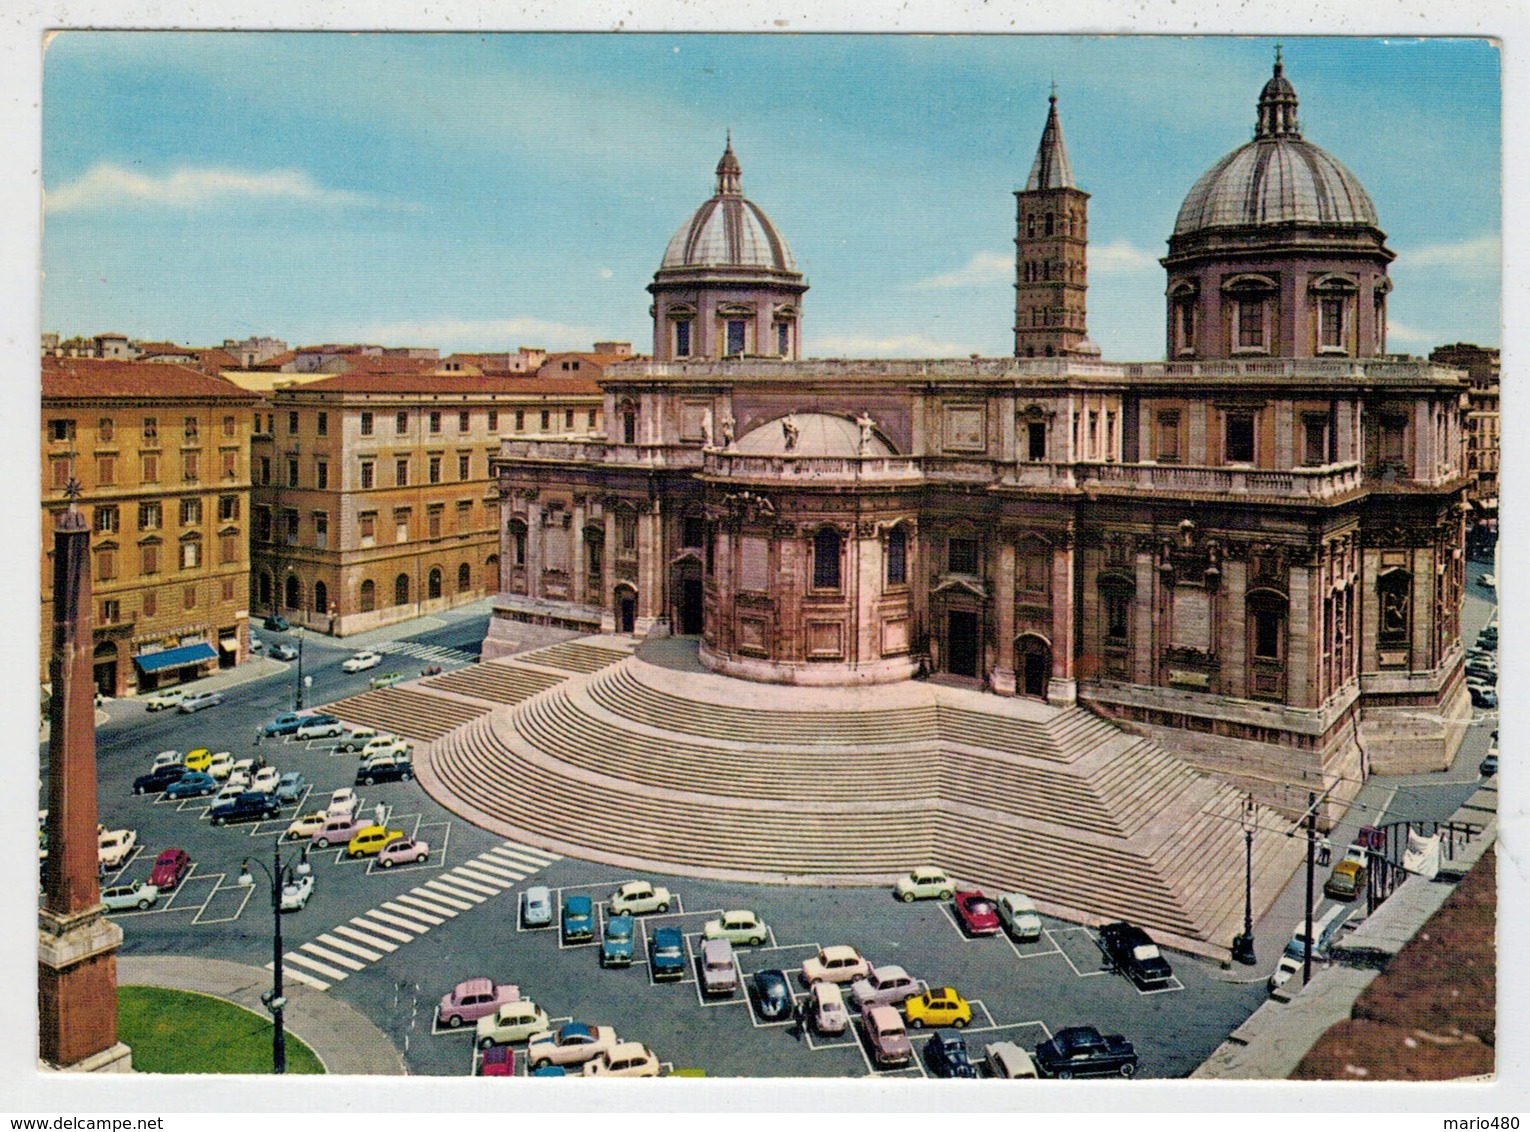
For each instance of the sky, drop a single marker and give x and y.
(475, 192)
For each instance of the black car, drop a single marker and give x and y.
(773, 994)
(1081, 1050)
(385, 772)
(283, 652)
(1133, 952)
(158, 779)
(277, 624)
(249, 806)
(1489, 765)
(946, 1055)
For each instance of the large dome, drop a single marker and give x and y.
(1277, 178)
(728, 230)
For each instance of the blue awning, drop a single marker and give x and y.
(175, 658)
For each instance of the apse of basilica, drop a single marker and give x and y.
(1251, 551)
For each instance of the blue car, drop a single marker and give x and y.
(616, 944)
(578, 919)
(290, 787)
(946, 1055)
(285, 724)
(666, 953)
(158, 780)
(192, 784)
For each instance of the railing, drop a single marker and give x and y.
(1298, 483)
(1386, 873)
(733, 465)
(602, 452)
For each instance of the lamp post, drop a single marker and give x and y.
(275, 1001)
(1312, 802)
(1243, 945)
(297, 695)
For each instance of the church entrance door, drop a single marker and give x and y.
(690, 607)
(1035, 667)
(626, 612)
(962, 643)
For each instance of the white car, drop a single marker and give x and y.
(296, 893)
(639, 896)
(239, 778)
(199, 700)
(114, 845)
(1009, 1062)
(384, 745)
(167, 758)
(925, 884)
(343, 801)
(361, 661)
(629, 1059)
(512, 1022)
(136, 895)
(358, 737)
(740, 927)
(245, 767)
(266, 780)
(159, 701)
(229, 792)
(324, 730)
(836, 964)
(306, 825)
(221, 765)
(1018, 914)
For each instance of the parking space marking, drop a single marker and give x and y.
(365, 952)
(402, 937)
(370, 940)
(1173, 985)
(303, 960)
(411, 914)
(1094, 946)
(238, 896)
(444, 888)
(429, 905)
(307, 980)
(332, 956)
(1016, 946)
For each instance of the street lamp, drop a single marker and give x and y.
(1243, 945)
(273, 999)
(297, 694)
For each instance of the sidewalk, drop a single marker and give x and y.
(345, 1040)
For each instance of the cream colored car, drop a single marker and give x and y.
(512, 1022)
(630, 1059)
(835, 965)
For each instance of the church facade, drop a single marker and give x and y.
(1252, 551)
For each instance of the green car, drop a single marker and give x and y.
(386, 680)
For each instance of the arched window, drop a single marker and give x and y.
(294, 592)
(368, 596)
(628, 414)
(320, 598)
(401, 590)
(433, 582)
(1394, 592)
(897, 556)
(826, 548)
(464, 578)
(518, 542)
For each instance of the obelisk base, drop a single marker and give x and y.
(77, 993)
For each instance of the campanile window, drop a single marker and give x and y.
(736, 335)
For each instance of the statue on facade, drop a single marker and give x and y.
(727, 430)
(706, 429)
(790, 430)
(866, 424)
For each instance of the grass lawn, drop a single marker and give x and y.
(173, 1031)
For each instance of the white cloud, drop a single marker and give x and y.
(1482, 254)
(1120, 258)
(1401, 332)
(487, 334)
(983, 270)
(897, 346)
(107, 185)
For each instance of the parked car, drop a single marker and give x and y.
(344, 801)
(886, 1036)
(320, 727)
(114, 845)
(383, 745)
(367, 841)
(536, 907)
(739, 927)
(718, 974)
(1018, 914)
(886, 985)
(572, 1043)
(924, 884)
(158, 780)
(385, 768)
(828, 1006)
(578, 918)
(1489, 765)
(473, 999)
(306, 825)
(252, 805)
(336, 830)
(385, 680)
(1346, 881)
(497, 1061)
(266, 780)
(1009, 1062)
(136, 895)
(402, 851)
(629, 1059)
(942, 1007)
(1133, 952)
(276, 624)
(256, 644)
(511, 1022)
(167, 758)
(230, 790)
(838, 964)
(196, 701)
(1482, 697)
(772, 994)
(361, 661)
(946, 1055)
(295, 893)
(977, 913)
(358, 737)
(639, 896)
(170, 868)
(290, 786)
(616, 943)
(284, 724)
(192, 784)
(197, 759)
(666, 953)
(220, 765)
(283, 652)
(1081, 1050)
(164, 698)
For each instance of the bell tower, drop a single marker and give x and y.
(1051, 243)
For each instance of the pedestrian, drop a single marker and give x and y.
(381, 813)
(259, 732)
(1325, 851)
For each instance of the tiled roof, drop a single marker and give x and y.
(383, 363)
(427, 383)
(149, 349)
(77, 379)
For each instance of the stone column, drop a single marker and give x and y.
(652, 607)
(1302, 643)
(608, 582)
(577, 556)
(1144, 645)
(534, 554)
(1063, 686)
(1001, 677)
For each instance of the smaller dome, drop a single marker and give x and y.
(729, 230)
(818, 434)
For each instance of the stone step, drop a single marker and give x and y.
(498, 681)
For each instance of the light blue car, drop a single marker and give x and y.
(291, 786)
(616, 944)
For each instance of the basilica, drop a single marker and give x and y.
(1251, 552)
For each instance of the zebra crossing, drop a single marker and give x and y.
(363, 940)
(436, 654)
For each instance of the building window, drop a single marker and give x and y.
(1249, 312)
(1267, 622)
(230, 463)
(368, 596)
(367, 524)
(227, 589)
(368, 473)
(826, 548)
(433, 583)
(104, 429)
(962, 555)
(591, 424)
(228, 508)
(292, 424)
(262, 524)
(61, 468)
(189, 597)
(568, 419)
(106, 565)
(150, 604)
(693, 531)
(683, 338)
(294, 592)
(191, 554)
(464, 516)
(464, 578)
(1118, 606)
(264, 468)
(1034, 573)
(433, 469)
(149, 516)
(435, 421)
(321, 424)
(191, 512)
(520, 420)
(228, 549)
(111, 611)
(401, 590)
(897, 557)
(464, 465)
(321, 474)
(1239, 438)
(401, 423)
(464, 421)
(433, 521)
(320, 598)
(1036, 440)
(736, 335)
(594, 560)
(191, 428)
(493, 420)
(626, 532)
(1184, 325)
(401, 471)
(292, 471)
(290, 526)
(150, 430)
(517, 542)
(191, 466)
(321, 530)
(783, 339)
(546, 419)
(106, 471)
(401, 524)
(366, 424)
(1394, 443)
(105, 520)
(148, 559)
(61, 430)
(1331, 324)
(1315, 446)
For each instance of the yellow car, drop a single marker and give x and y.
(199, 759)
(370, 839)
(943, 1007)
(1347, 882)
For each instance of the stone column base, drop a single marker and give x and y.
(1001, 681)
(1062, 691)
(113, 1059)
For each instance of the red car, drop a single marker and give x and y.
(498, 1061)
(977, 913)
(170, 867)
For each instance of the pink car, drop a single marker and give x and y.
(337, 831)
(471, 999)
(887, 1037)
(402, 851)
